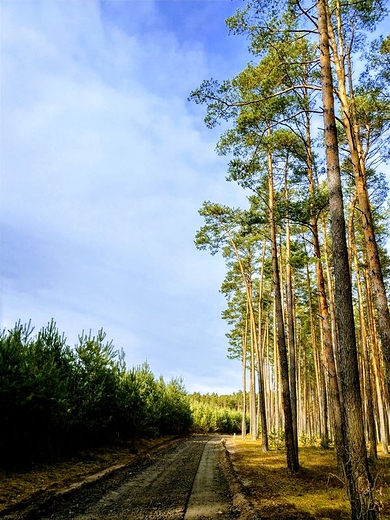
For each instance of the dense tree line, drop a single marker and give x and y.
(213, 413)
(55, 400)
(307, 270)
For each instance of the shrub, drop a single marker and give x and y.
(56, 400)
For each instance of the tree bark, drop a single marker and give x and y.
(291, 328)
(321, 391)
(327, 355)
(260, 362)
(377, 366)
(366, 369)
(353, 450)
(292, 453)
(359, 169)
(252, 367)
(244, 347)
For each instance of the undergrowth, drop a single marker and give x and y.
(315, 492)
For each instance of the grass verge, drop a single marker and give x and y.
(316, 492)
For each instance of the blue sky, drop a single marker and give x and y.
(104, 167)
(105, 164)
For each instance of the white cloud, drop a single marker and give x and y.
(105, 165)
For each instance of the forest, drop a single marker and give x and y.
(305, 130)
(56, 400)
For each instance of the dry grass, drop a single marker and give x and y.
(316, 492)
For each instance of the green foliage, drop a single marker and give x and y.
(213, 413)
(277, 439)
(55, 400)
(221, 97)
(175, 414)
(95, 387)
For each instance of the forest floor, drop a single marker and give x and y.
(315, 493)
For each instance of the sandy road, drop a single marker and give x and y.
(210, 496)
(184, 482)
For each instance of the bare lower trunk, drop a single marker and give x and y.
(244, 344)
(292, 453)
(365, 365)
(291, 332)
(353, 451)
(260, 363)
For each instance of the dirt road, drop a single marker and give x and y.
(184, 482)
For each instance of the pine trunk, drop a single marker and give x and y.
(353, 451)
(357, 158)
(291, 329)
(292, 453)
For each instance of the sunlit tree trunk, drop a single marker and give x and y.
(290, 325)
(323, 310)
(292, 453)
(247, 281)
(329, 283)
(268, 377)
(277, 380)
(252, 367)
(324, 359)
(353, 451)
(244, 351)
(260, 361)
(377, 366)
(321, 391)
(365, 370)
(341, 58)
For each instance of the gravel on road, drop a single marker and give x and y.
(190, 480)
